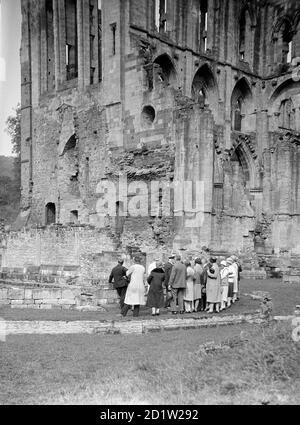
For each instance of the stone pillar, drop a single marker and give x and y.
(181, 120)
(83, 10)
(35, 31)
(56, 42)
(221, 40)
(297, 181)
(210, 24)
(227, 106)
(264, 140)
(284, 179)
(296, 42)
(230, 37)
(43, 48)
(26, 106)
(61, 41)
(189, 23)
(267, 201)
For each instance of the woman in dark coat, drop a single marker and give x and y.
(155, 298)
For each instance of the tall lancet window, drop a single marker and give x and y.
(71, 39)
(50, 45)
(203, 25)
(287, 45)
(242, 40)
(161, 15)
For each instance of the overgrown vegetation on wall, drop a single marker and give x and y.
(10, 172)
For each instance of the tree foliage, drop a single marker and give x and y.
(10, 188)
(13, 128)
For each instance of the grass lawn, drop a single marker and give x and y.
(167, 367)
(285, 297)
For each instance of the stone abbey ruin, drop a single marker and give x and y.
(157, 90)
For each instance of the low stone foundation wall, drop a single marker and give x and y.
(57, 298)
(125, 327)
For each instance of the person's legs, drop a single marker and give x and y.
(157, 312)
(174, 300)
(204, 301)
(168, 299)
(136, 311)
(196, 305)
(125, 309)
(122, 296)
(153, 311)
(187, 306)
(211, 308)
(180, 294)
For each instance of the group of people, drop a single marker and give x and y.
(202, 284)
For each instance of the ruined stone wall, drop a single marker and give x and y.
(53, 246)
(164, 110)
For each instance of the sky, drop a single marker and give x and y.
(10, 70)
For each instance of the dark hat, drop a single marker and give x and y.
(267, 298)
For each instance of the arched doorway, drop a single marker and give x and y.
(50, 214)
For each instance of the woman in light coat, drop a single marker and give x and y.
(213, 286)
(224, 272)
(189, 291)
(197, 283)
(135, 295)
(232, 278)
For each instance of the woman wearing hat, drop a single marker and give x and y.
(155, 298)
(213, 286)
(189, 291)
(231, 278)
(135, 295)
(197, 283)
(224, 284)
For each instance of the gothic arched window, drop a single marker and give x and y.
(287, 114)
(283, 43)
(287, 46)
(242, 107)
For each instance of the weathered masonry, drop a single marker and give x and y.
(161, 90)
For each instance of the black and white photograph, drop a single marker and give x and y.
(149, 206)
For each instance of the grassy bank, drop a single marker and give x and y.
(249, 365)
